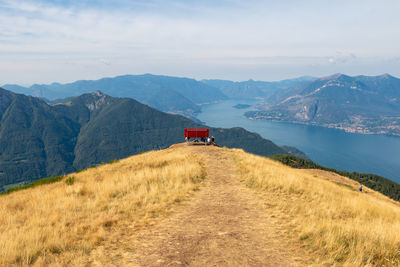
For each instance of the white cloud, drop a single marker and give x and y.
(187, 37)
(105, 61)
(342, 57)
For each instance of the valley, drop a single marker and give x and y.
(357, 104)
(360, 104)
(40, 140)
(329, 147)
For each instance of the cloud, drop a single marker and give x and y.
(342, 57)
(105, 62)
(183, 35)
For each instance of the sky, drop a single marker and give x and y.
(44, 41)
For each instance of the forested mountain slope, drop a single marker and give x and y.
(39, 140)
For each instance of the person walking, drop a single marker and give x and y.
(361, 188)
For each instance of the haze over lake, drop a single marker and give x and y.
(378, 154)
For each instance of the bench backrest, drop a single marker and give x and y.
(195, 133)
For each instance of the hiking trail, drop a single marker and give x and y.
(223, 224)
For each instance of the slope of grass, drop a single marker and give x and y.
(55, 224)
(61, 223)
(373, 181)
(350, 228)
(43, 181)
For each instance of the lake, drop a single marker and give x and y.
(378, 154)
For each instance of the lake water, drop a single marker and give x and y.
(333, 148)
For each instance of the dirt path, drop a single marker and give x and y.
(224, 224)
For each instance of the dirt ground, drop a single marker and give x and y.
(223, 224)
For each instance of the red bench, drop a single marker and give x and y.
(197, 133)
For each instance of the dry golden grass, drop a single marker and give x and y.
(56, 224)
(61, 223)
(350, 228)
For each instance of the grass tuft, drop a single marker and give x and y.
(70, 180)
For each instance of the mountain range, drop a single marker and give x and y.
(362, 104)
(38, 139)
(257, 89)
(168, 94)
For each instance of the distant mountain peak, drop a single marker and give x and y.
(95, 100)
(98, 93)
(334, 77)
(386, 76)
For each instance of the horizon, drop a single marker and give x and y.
(43, 41)
(199, 80)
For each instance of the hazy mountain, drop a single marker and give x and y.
(19, 89)
(168, 94)
(356, 104)
(257, 89)
(39, 140)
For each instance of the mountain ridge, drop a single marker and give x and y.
(256, 89)
(39, 140)
(165, 93)
(362, 104)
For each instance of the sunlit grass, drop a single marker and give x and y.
(348, 227)
(59, 222)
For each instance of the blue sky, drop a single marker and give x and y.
(62, 41)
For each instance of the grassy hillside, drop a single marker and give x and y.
(62, 223)
(59, 222)
(328, 215)
(376, 182)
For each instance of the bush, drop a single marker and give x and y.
(70, 180)
(43, 181)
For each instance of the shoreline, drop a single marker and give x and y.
(355, 131)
